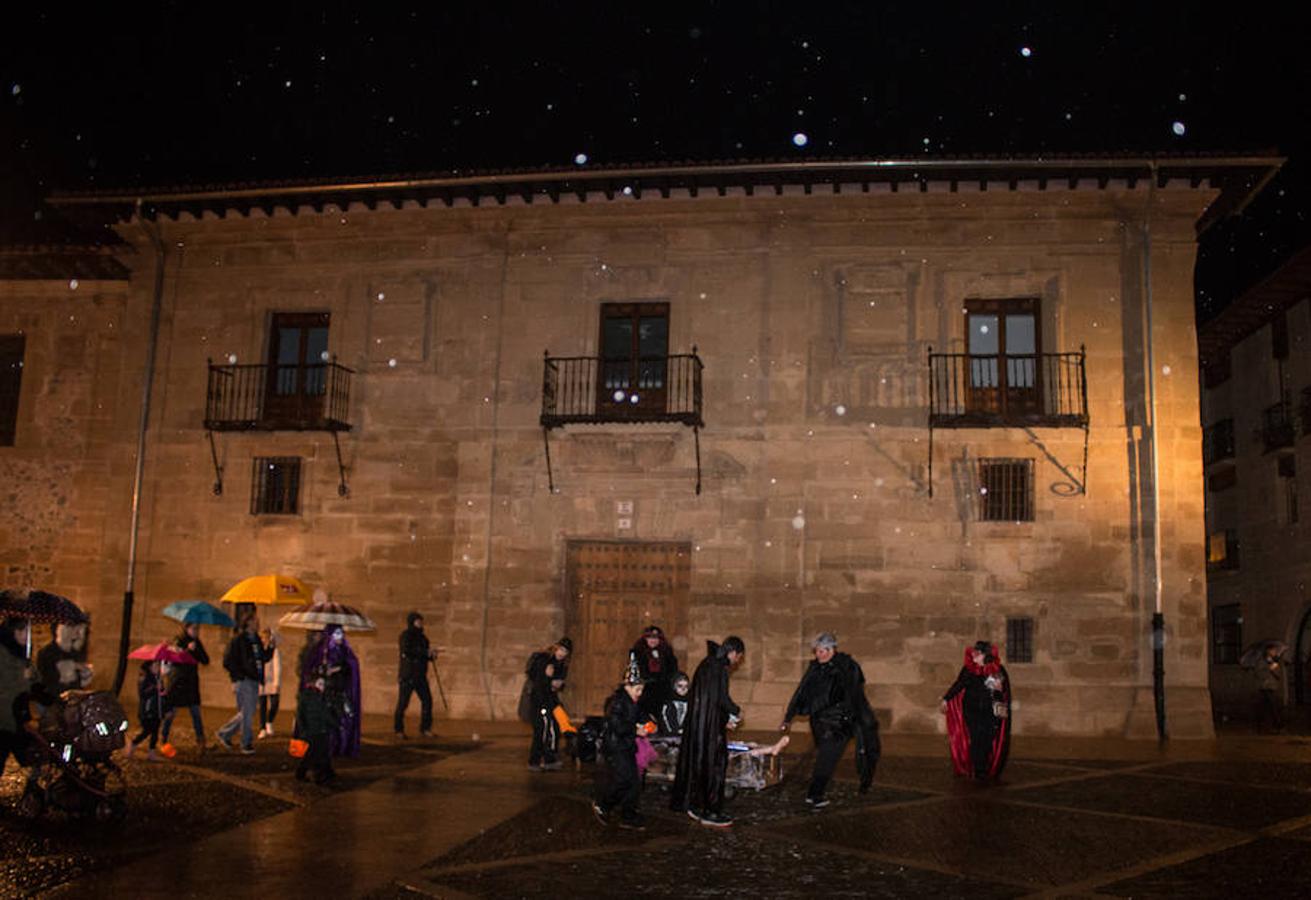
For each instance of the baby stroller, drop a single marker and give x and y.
(70, 765)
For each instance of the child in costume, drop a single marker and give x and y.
(624, 722)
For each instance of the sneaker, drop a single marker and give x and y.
(633, 823)
(600, 814)
(269, 730)
(534, 767)
(261, 734)
(712, 819)
(226, 743)
(427, 734)
(552, 766)
(247, 751)
(152, 756)
(817, 802)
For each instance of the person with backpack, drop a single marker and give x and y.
(244, 662)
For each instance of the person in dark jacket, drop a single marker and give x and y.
(62, 664)
(674, 712)
(546, 671)
(978, 710)
(150, 707)
(658, 664)
(316, 720)
(624, 721)
(703, 753)
(244, 661)
(412, 676)
(832, 694)
(15, 685)
(184, 688)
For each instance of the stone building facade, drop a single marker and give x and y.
(1256, 415)
(736, 366)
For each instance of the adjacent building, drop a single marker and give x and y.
(912, 402)
(1256, 413)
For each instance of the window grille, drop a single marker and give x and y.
(1226, 634)
(275, 486)
(1218, 441)
(11, 381)
(1019, 640)
(1005, 490)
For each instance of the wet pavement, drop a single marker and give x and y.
(461, 816)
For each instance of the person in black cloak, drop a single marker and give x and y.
(832, 694)
(624, 721)
(412, 676)
(703, 752)
(658, 665)
(978, 710)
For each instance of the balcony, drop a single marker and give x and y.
(262, 397)
(1039, 390)
(590, 390)
(1277, 427)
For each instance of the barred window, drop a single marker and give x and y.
(1218, 441)
(1222, 550)
(1006, 490)
(11, 381)
(1019, 639)
(275, 486)
(1226, 634)
(1223, 480)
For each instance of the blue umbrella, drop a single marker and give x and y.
(198, 612)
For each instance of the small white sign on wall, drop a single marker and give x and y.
(623, 507)
(624, 524)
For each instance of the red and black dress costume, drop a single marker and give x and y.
(659, 668)
(979, 715)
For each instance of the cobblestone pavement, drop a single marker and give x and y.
(464, 818)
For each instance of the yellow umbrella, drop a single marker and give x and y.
(268, 590)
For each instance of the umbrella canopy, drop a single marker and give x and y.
(1253, 655)
(325, 614)
(163, 652)
(198, 612)
(40, 606)
(267, 590)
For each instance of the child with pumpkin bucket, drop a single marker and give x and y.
(315, 721)
(624, 721)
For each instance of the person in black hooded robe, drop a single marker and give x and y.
(832, 694)
(703, 751)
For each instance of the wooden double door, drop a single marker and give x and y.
(615, 589)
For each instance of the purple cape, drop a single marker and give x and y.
(343, 691)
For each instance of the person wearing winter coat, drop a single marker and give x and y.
(832, 694)
(624, 721)
(702, 771)
(270, 689)
(150, 707)
(244, 662)
(316, 720)
(62, 664)
(546, 673)
(978, 710)
(412, 676)
(184, 685)
(15, 681)
(658, 664)
(674, 712)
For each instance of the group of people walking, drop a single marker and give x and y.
(831, 694)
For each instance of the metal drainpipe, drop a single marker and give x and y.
(147, 387)
(1158, 617)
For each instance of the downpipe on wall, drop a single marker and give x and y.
(1158, 616)
(151, 232)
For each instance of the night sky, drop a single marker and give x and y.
(188, 93)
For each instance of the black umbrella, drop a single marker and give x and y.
(39, 606)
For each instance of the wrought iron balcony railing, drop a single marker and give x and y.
(1277, 427)
(262, 397)
(989, 391)
(595, 390)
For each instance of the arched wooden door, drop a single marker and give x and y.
(615, 589)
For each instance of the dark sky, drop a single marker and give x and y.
(152, 94)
